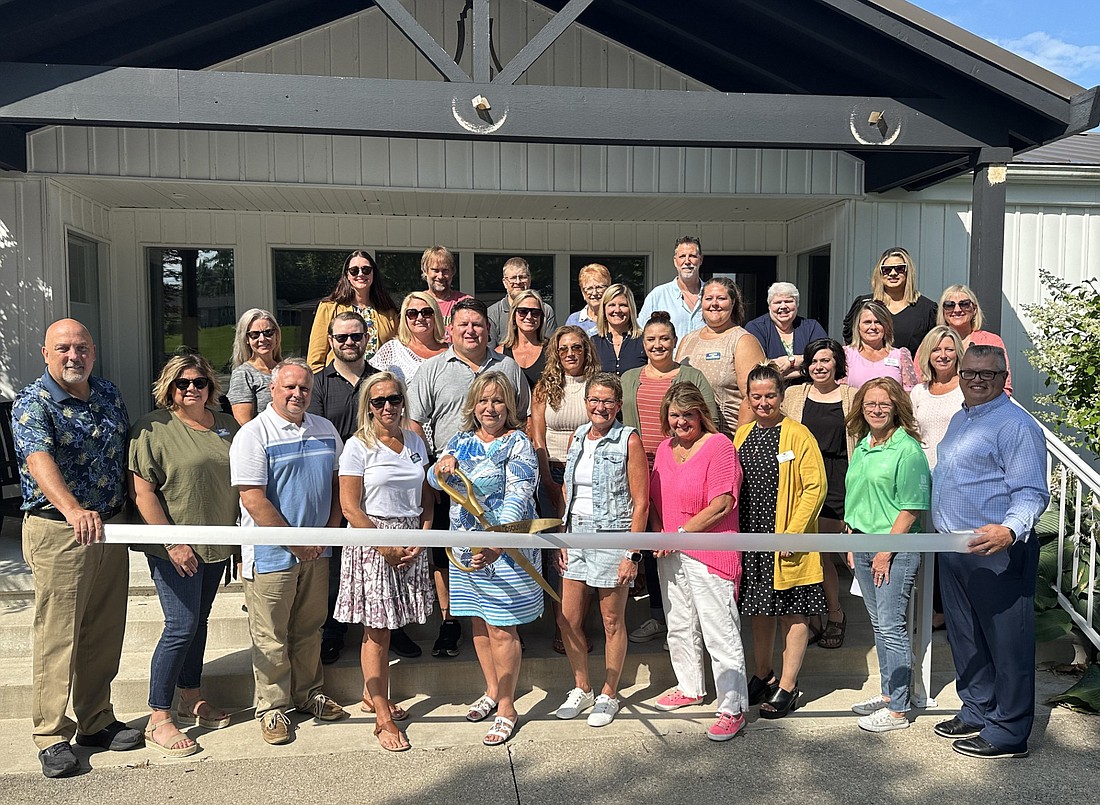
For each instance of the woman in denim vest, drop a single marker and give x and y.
(606, 489)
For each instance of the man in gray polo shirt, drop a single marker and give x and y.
(436, 396)
(517, 279)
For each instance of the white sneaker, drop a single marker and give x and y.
(576, 702)
(869, 706)
(882, 721)
(604, 711)
(650, 630)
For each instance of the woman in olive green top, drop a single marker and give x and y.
(179, 475)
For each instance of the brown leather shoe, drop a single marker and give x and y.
(276, 728)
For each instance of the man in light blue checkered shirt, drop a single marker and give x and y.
(990, 478)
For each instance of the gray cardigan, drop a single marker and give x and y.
(688, 374)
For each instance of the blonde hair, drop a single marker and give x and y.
(163, 396)
(242, 347)
(882, 315)
(618, 289)
(878, 290)
(404, 334)
(482, 382)
(513, 329)
(976, 321)
(930, 342)
(365, 418)
(903, 409)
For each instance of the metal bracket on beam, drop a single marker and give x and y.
(541, 41)
(991, 156)
(440, 59)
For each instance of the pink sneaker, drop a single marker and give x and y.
(675, 699)
(726, 726)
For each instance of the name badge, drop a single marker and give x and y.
(891, 362)
(415, 457)
(714, 356)
(785, 456)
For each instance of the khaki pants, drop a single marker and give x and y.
(80, 596)
(286, 610)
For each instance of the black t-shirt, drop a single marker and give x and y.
(337, 400)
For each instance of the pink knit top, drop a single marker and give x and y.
(680, 491)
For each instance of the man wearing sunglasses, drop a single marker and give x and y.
(516, 279)
(70, 434)
(990, 478)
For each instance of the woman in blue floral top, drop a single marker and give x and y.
(500, 462)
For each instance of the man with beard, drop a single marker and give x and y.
(437, 266)
(682, 297)
(70, 434)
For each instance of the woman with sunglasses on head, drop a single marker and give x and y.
(524, 342)
(257, 348)
(179, 475)
(362, 289)
(872, 352)
(894, 284)
(959, 310)
(419, 337)
(383, 485)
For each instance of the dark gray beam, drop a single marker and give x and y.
(422, 40)
(480, 51)
(13, 149)
(541, 41)
(60, 94)
(987, 240)
(1084, 114)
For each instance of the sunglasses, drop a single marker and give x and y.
(525, 312)
(184, 383)
(963, 304)
(570, 349)
(888, 270)
(393, 399)
(355, 271)
(268, 333)
(424, 313)
(355, 337)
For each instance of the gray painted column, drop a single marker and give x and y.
(987, 233)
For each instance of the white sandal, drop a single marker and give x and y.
(501, 731)
(480, 709)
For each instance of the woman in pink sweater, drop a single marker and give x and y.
(694, 488)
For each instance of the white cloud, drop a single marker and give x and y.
(1065, 59)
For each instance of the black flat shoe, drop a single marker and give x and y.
(330, 649)
(58, 760)
(780, 703)
(402, 645)
(979, 747)
(116, 736)
(760, 691)
(955, 728)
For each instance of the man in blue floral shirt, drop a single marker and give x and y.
(70, 433)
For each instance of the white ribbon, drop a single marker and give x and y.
(234, 535)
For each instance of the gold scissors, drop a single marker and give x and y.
(470, 503)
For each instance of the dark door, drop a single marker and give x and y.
(753, 273)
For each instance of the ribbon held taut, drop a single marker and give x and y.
(470, 503)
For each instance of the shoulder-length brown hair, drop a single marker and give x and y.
(343, 294)
(163, 396)
(884, 317)
(551, 386)
(903, 409)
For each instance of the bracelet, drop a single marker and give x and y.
(170, 547)
(681, 530)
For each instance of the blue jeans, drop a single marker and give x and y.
(186, 602)
(888, 607)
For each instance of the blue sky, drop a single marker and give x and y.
(1060, 35)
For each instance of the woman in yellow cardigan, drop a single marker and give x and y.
(362, 289)
(782, 492)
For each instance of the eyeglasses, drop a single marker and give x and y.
(424, 313)
(597, 402)
(520, 278)
(888, 270)
(873, 406)
(355, 271)
(268, 333)
(594, 289)
(340, 338)
(984, 374)
(184, 383)
(393, 399)
(962, 304)
(525, 312)
(570, 349)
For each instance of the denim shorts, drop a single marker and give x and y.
(596, 567)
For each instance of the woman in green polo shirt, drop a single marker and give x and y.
(887, 487)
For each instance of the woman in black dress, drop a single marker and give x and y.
(525, 341)
(894, 284)
(822, 406)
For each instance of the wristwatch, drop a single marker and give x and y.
(633, 556)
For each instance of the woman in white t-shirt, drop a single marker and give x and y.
(382, 485)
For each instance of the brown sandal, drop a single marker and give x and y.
(392, 740)
(833, 636)
(180, 745)
(397, 713)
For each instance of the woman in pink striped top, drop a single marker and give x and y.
(694, 488)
